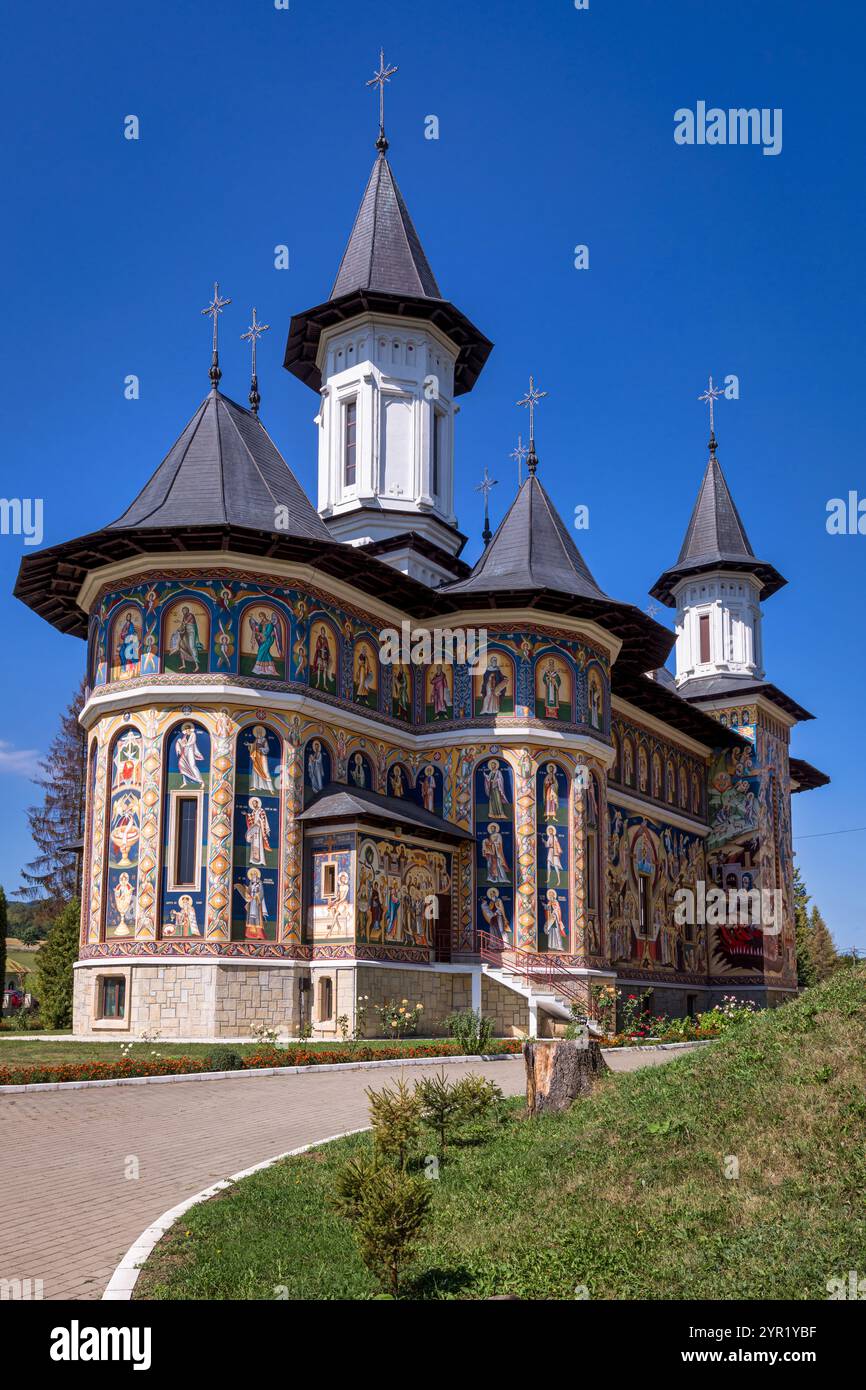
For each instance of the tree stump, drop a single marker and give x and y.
(558, 1072)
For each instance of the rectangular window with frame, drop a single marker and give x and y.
(350, 443)
(644, 902)
(704, 637)
(186, 842)
(112, 997)
(436, 469)
(329, 880)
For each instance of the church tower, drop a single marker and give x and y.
(388, 357)
(717, 586)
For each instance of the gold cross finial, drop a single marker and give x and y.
(213, 310)
(378, 80)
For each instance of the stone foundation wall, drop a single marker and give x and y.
(441, 992)
(509, 1011)
(200, 1000)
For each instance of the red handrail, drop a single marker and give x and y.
(535, 967)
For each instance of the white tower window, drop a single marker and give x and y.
(350, 443)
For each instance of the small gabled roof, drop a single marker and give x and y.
(715, 539)
(336, 801)
(384, 251)
(724, 686)
(224, 469)
(805, 777)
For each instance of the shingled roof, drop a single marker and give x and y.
(531, 549)
(384, 271)
(533, 562)
(224, 469)
(384, 251)
(715, 539)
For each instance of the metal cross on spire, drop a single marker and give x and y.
(252, 335)
(214, 309)
(531, 399)
(378, 80)
(486, 486)
(711, 395)
(517, 456)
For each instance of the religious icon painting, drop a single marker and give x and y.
(185, 636)
(318, 765)
(323, 657)
(595, 697)
(494, 686)
(360, 772)
(365, 674)
(263, 642)
(428, 789)
(126, 643)
(494, 846)
(401, 691)
(185, 831)
(439, 692)
(553, 697)
(553, 855)
(124, 829)
(257, 825)
(398, 781)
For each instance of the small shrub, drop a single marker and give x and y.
(477, 1100)
(440, 1107)
(396, 1121)
(397, 1019)
(471, 1030)
(225, 1059)
(387, 1208)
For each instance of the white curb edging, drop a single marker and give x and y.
(125, 1276)
(254, 1071)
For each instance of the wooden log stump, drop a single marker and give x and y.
(559, 1072)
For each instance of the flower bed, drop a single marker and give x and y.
(292, 1056)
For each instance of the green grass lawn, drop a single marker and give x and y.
(626, 1195)
(21, 1050)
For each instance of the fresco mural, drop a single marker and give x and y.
(323, 657)
(318, 765)
(429, 791)
(263, 643)
(494, 847)
(124, 831)
(365, 674)
(360, 772)
(185, 828)
(331, 875)
(554, 698)
(493, 688)
(648, 862)
(439, 688)
(401, 893)
(126, 630)
(186, 637)
(553, 857)
(256, 849)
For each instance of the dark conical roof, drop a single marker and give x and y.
(531, 549)
(384, 271)
(384, 251)
(533, 562)
(223, 470)
(715, 539)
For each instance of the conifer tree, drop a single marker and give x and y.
(59, 819)
(806, 974)
(54, 968)
(821, 947)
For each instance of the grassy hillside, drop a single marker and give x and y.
(627, 1195)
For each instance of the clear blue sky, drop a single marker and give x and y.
(556, 128)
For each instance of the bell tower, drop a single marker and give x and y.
(388, 357)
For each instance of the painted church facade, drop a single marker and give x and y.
(281, 820)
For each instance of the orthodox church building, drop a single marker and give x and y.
(286, 826)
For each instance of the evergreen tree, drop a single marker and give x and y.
(3, 930)
(821, 947)
(54, 965)
(806, 974)
(52, 877)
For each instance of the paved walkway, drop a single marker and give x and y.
(71, 1209)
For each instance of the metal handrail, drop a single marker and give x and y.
(533, 966)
